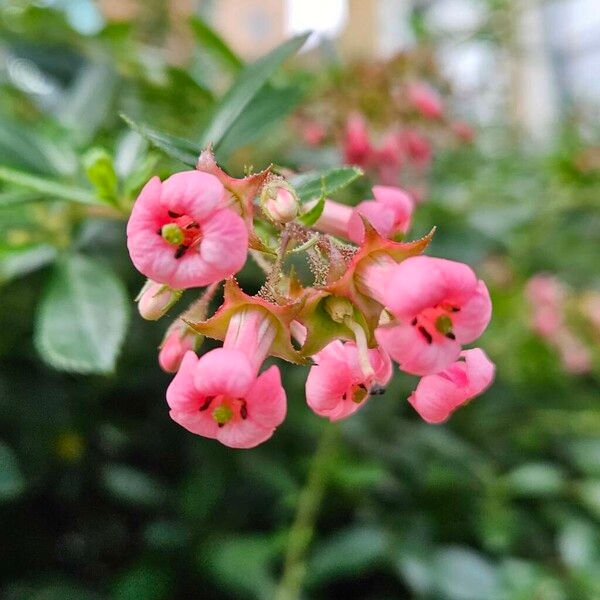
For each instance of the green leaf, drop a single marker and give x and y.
(17, 196)
(23, 261)
(310, 217)
(315, 183)
(133, 486)
(268, 107)
(82, 317)
(536, 479)
(100, 170)
(178, 148)
(215, 45)
(51, 190)
(245, 88)
(462, 574)
(12, 482)
(349, 552)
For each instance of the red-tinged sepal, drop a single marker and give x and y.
(281, 316)
(243, 190)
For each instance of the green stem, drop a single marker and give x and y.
(302, 530)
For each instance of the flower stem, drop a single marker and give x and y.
(302, 530)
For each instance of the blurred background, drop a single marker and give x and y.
(103, 496)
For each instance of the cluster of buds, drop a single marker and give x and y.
(550, 301)
(372, 299)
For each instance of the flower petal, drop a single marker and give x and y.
(406, 345)
(223, 371)
(224, 245)
(181, 393)
(243, 434)
(192, 193)
(200, 423)
(266, 400)
(474, 315)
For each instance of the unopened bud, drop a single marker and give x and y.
(177, 341)
(279, 202)
(156, 299)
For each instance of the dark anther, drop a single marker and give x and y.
(426, 334)
(206, 403)
(180, 250)
(159, 231)
(244, 411)
(450, 336)
(192, 225)
(362, 386)
(414, 321)
(173, 214)
(220, 425)
(377, 390)
(455, 309)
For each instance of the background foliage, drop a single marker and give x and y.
(101, 495)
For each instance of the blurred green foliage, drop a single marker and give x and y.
(101, 495)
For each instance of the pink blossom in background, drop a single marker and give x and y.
(426, 100)
(390, 213)
(575, 356)
(219, 396)
(463, 131)
(357, 147)
(438, 395)
(438, 306)
(337, 387)
(313, 133)
(416, 147)
(387, 159)
(181, 234)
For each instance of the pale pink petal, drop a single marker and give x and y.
(198, 422)
(409, 348)
(181, 393)
(243, 434)
(266, 400)
(474, 315)
(325, 386)
(381, 217)
(224, 245)
(223, 371)
(192, 193)
(399, 201)
(437, 396)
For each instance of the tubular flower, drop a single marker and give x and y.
(155, 299)
(178, 340)
(357, 147)
(390, 213)
(438, 305)
(181, 234)
(437, 396)
(337, 386)
(220, 396)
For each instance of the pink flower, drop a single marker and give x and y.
(387, 159)
(437, 396)
(426, 100)
(463, 131)
(220, 396)
(438, 305)
(334, 219)
(313, 133)
(337, 387)
(181, 234)
(357, 147)
(547, 290)
(389, 213)
(279, 203)
(576, 358)
(416, 147)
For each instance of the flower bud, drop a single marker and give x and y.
(279, 202)
(155, 299)
(177, 341)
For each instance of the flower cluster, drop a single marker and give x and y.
(373, 300)
(550, 302)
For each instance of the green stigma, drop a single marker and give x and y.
(222, 414)
(443, 324)
(359, 393)
(172, 233)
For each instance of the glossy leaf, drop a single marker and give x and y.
(82, 317)
(314, 183)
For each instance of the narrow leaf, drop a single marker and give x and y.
(316, 183)
(178, 148)
(50, 189)
(82, 318)
(245, 87)
(215, 45)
